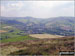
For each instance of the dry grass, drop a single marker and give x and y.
(47, 46)
(42, 46)
(8, 49)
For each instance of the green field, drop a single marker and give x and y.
(13, 35)
(20, 38)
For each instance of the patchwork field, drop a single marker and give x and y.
(42, 36)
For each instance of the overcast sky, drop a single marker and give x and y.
(39, 9)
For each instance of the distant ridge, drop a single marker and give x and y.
(56, 25)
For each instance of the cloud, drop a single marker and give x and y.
(40, 9)
(16, 5)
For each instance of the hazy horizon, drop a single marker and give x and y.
(37, 9)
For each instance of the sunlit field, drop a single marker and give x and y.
(42, 36)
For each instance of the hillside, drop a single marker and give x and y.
(38, 47)
(30, 25)
(26, 34)
(37, 28)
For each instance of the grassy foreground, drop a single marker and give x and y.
(39, 46)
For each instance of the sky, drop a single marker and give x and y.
(38, 9)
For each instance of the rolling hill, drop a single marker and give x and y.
(24, 35)
(30, 25)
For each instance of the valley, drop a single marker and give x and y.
(29, 25)
(26, 34)
(37, 28)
